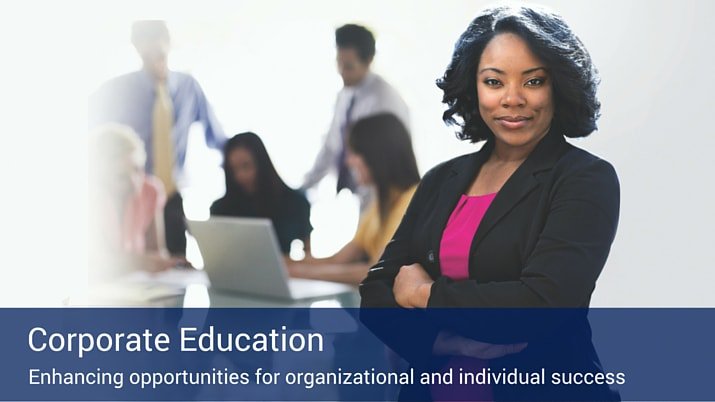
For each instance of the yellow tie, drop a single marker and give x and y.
(163, 119)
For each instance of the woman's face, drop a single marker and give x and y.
(514, 92)
(125, 176)
(243, 166)
(357, 165)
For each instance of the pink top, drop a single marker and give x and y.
(127, 231)
(459, 232)
(139, 214)
(454, 259)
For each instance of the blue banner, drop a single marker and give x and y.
(347, 354)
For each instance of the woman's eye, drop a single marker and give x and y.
(535, 82)
(491, 82)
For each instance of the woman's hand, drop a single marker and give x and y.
(296, 269)
(412, 286)
(157, 262)
(450, 344)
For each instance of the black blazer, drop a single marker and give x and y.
(542, 243)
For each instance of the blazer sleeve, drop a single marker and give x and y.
(406, 331)
(562, 270)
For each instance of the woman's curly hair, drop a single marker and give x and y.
(573, 76)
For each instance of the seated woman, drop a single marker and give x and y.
(128, 204)
(254, 189)
(380, 155)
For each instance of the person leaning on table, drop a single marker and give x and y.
(526, 221)
(126, 206)
(381, 158)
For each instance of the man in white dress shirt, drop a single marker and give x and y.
(364, 94)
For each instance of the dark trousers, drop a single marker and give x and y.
(174, 225)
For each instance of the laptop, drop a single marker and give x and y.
(242, 255)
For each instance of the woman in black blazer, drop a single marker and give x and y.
(520, 80)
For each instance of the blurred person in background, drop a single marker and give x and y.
(254, 189)
(364, 93)
(160, 105)
(127, 204)
(380, 156)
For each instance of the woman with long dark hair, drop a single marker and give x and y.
(254, 189)
(380, 155)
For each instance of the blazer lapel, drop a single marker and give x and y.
(459, 179)
(521, 183)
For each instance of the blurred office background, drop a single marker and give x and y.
(269, 67)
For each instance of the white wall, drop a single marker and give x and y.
(268, 66)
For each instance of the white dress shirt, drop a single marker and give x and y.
(373, 95)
